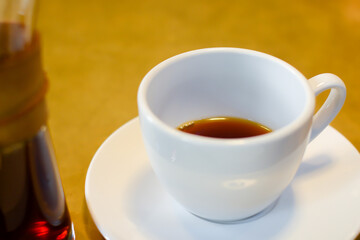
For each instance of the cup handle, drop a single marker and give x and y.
(333, 103)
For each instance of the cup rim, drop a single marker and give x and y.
(303, 117)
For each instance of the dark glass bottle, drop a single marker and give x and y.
(32, 201)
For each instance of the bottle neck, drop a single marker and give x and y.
(17, 25)
(23, 83)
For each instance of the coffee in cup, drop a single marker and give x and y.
(231, 179)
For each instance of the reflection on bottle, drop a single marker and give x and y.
(32, 202)
(45, 178)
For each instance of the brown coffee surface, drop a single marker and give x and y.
(224, 127)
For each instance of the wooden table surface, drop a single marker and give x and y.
(96, 53)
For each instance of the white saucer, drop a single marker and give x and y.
(127, 202)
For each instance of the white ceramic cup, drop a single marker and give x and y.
(227, 180)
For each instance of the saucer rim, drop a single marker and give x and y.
(133, 121)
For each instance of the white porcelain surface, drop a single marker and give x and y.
(231, 179)
(127, 202)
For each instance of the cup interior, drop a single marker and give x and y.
(226, 82)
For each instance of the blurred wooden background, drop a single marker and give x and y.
(96, 53)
